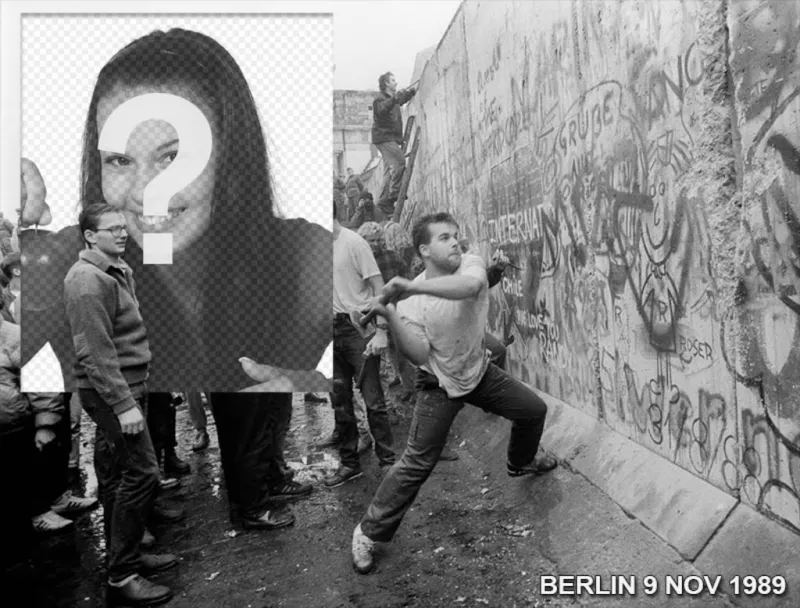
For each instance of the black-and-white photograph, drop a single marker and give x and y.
(561, 364)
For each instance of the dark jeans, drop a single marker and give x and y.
(394, 165)
(282, 424)
(197, 411)
(127, 480)
(50, 467)
(161, 423)
(246, 425)
(497, 393)
(18, 480)
(348, 360)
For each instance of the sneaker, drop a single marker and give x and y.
(362, 551)
(201, 441)
(67, 504)
(314, 398)
(290, 489)
(342, 475)
(50, 522)
(364, 444)
(541, 464)
(136, 590)
(271, 519)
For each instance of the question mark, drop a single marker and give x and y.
(194, 134)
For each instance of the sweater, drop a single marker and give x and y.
(108, 334)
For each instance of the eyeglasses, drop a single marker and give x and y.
(114, 230)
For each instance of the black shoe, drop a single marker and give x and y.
(291, 489)
(342, 475)
(314, 398)
(272, 519)
(152, 563)
(174, 466)
(165, 514)
(331, 442)
(201, 441)
(139, 592)
(541, 464)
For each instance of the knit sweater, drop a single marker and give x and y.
(108, 334)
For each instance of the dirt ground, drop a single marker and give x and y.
(475, 537)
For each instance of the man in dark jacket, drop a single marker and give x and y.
(112, 364)
(387, 135)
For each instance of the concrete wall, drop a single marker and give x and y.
(635, 160)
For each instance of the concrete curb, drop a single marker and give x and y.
(704, 524)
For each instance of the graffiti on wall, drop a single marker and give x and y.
(569, 152)
(766, 360)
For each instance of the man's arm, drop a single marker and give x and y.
(376, 283)
(409, 337)
(456, 287)
(88, 310)
(400, 97)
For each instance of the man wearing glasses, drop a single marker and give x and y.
(112, 362)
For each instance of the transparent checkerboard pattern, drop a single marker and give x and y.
(286, 59)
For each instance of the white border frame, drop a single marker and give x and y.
(11, 12)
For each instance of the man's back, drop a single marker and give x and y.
(353, 264)
(455, 330)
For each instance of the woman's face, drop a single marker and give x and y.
(151, 147)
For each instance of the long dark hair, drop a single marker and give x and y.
(243, 210)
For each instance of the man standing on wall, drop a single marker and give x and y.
(387, 135)
(440, 326)
(111, 367)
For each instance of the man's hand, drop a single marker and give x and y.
(378, 344)
(131, 421)
(396, 289)
(499, 260)
(43, 437)
(33, 208)
(278, 380)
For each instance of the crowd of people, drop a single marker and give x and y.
(428, 292)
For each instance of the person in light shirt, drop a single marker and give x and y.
(440, 326)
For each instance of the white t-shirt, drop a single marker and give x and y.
(353, 265)
(455, 330)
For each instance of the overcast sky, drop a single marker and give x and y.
(372, 37)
